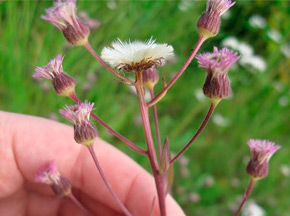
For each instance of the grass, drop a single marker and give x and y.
(258, 108)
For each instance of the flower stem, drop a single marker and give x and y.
(156, 123)
(246, 195)
(98, 58)
(116, 198)
(130, 144)
(198, 132)
(75, 201)
(159, 181)
(180, 72)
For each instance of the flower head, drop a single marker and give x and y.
(261, 152)
(79, 114)
(209, 22)
(150, 77)
(51, 176)
(137, 55)
(62, 83)
(63, 16)
(217, 65)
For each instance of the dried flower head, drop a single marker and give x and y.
(261, 152)
(217, 65)
(209, 22)
(150, 77)
(63, 16)
(62, 83)
(49, 174)
(137, 55)
(79, 114)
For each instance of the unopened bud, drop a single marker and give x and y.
(217, 64)
(79, 114)
(63, 16)
(209, 22)
(150, 78)
(62, 83)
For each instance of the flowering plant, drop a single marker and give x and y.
(142, 59)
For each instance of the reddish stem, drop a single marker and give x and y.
(180, 72)
(159, 181)
(155, 113)
(246, 195)
(204, 123)
(116, 198)
(77, 202)
(130, 144)
(98, 58)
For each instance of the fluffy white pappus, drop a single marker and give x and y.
(137, 55)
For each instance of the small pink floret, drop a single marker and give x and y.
(48, 174)
(218, 60)
(262, 149)
(61, 13)
(219, 6)
(78, 113)
(50, 70)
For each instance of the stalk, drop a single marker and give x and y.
(180, 72)
(130, 144)
(77, 202)
(246, 195)
(202, 126)
(98, 58)
(157, 131)
(150, 145)
(116, 198)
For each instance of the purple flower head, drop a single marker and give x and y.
(261, 152)
(79, 114)
(49, 175)
(217, 65)
(51, 70)
(219, 61)
(209, 22)
(218, 6)
(62, 83)
(63, 16)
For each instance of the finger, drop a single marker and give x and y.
(35, 141)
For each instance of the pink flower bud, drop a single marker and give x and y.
(49, 174)
(261, 152)
(217, 65)
(79, 114)
(209, 22)
(63, 16)
(150, 77)
(62, 83)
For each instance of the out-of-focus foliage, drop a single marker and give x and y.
(211, 178)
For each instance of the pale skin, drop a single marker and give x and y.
(27, 143)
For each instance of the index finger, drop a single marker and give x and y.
(31, 142)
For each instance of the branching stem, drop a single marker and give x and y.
(180, 72)
(98, 58)
(130, 144)
(159, 181)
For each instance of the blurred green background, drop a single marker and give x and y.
(211, 178)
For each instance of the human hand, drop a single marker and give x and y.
(27, 143)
